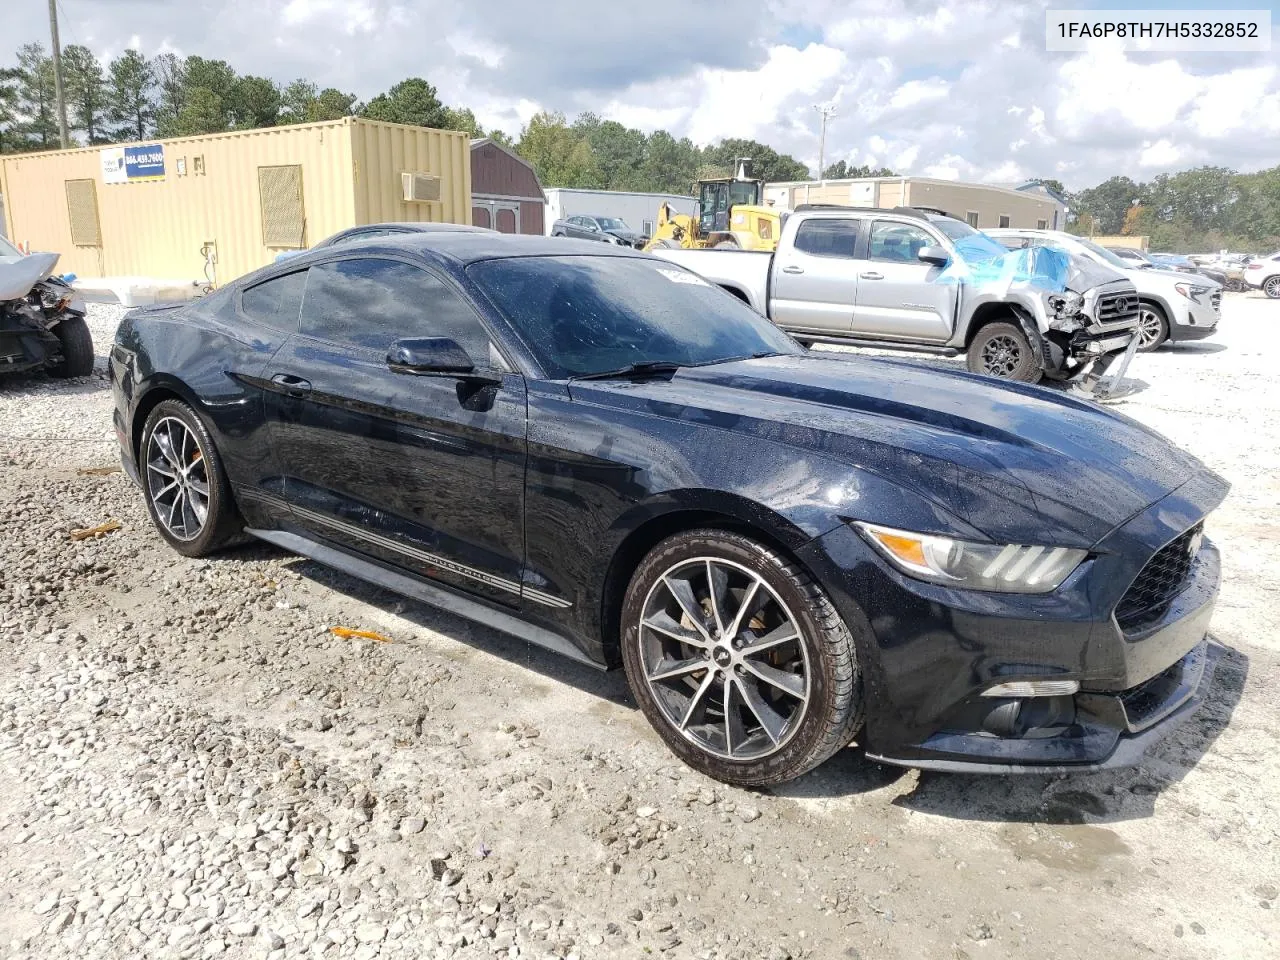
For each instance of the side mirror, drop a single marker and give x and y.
(934, 255)
(435, 356)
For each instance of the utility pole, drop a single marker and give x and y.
(828, 110)
(57, 75)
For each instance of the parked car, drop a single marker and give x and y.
(600, 452)
(905, 279)
(371, 231)
(1141, 260)
(1264, 273)
(42, 321)
(606, 229)
(1174, 307)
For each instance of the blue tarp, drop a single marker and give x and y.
(983, 261)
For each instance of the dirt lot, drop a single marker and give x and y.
(192, 764)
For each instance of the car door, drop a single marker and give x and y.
(423, 472)
(578, 228)
(899, 297)
(815, 278)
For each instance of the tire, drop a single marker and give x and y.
(188, 445)
(667, 245)
(1002, 350)
(1153, 327)
(1271, 287)
(728, 245)
(77, 348)
(808, 688)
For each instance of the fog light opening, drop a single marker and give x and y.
(1033, 688)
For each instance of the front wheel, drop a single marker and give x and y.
(77, 348)
(1272, 287)
(738, 659)
(1003, 350)
(1153, 327)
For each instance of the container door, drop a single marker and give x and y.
(480, 216)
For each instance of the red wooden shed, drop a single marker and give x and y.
(505, 192)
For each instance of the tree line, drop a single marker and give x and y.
(136, 98)
(1194, 211)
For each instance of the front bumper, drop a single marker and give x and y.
(928, 652)
(1198, 321)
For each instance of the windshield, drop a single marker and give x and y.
(7, 249)
(1106, 255)
(584, 315)
(971, 244)
(611, 223)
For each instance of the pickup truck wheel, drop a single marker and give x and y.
(1002, 350)
(77, 348)
(738, 659)
(1153, 327)
(1272, 287)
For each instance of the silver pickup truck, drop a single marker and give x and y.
(906, 279)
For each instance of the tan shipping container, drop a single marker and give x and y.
(252, 194)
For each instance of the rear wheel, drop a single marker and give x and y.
(186, 489)
(668, 244)
(1153, 327)
(738, 659)
(77, 348)
(1003, 350)
(1272, 287)
(729, 243)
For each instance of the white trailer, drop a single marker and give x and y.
(639, 210)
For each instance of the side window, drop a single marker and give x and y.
(827, 238)
(369, 302)
(276, 302)
(897, 242)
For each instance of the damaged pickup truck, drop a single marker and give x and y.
(42, 324)
(906, 279)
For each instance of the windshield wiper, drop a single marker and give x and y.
(645, 368)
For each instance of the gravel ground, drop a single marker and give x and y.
(192, 764)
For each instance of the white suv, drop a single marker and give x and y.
(1175, 306)
(1264, 272)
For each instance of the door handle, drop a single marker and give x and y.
(871, 275)
(793, 269)
(293, 386)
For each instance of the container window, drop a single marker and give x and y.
(283, 219)
(82, 212)
(972, 218)
(1004, 221)
(1042, 224)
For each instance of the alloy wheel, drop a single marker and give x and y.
(1001, 356)
(1272, 287)
(723, 659)
(1150, 328)
(177, 479)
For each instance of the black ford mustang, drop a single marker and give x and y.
(599, 452)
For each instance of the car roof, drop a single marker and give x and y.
(464, 248)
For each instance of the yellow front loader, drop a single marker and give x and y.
(730, 216)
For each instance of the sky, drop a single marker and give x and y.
(960, 90)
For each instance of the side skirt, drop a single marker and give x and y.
(427, 593)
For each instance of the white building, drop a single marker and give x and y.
(639, 210)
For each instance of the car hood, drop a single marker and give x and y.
(1085, 274)
(629, 235)
(1163, 280)
(1003, 458)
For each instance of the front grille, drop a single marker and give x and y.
(1160, 581)
(1118, 308)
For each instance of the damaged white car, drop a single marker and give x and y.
(42, 324)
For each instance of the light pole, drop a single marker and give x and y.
(57, 76)
(827, 110)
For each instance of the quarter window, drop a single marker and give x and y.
(276, 302)
(369, 302)
(827, 238)
(899, 242)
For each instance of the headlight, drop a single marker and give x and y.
(1066, 304)
(1192, 291)
(1005, 568)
